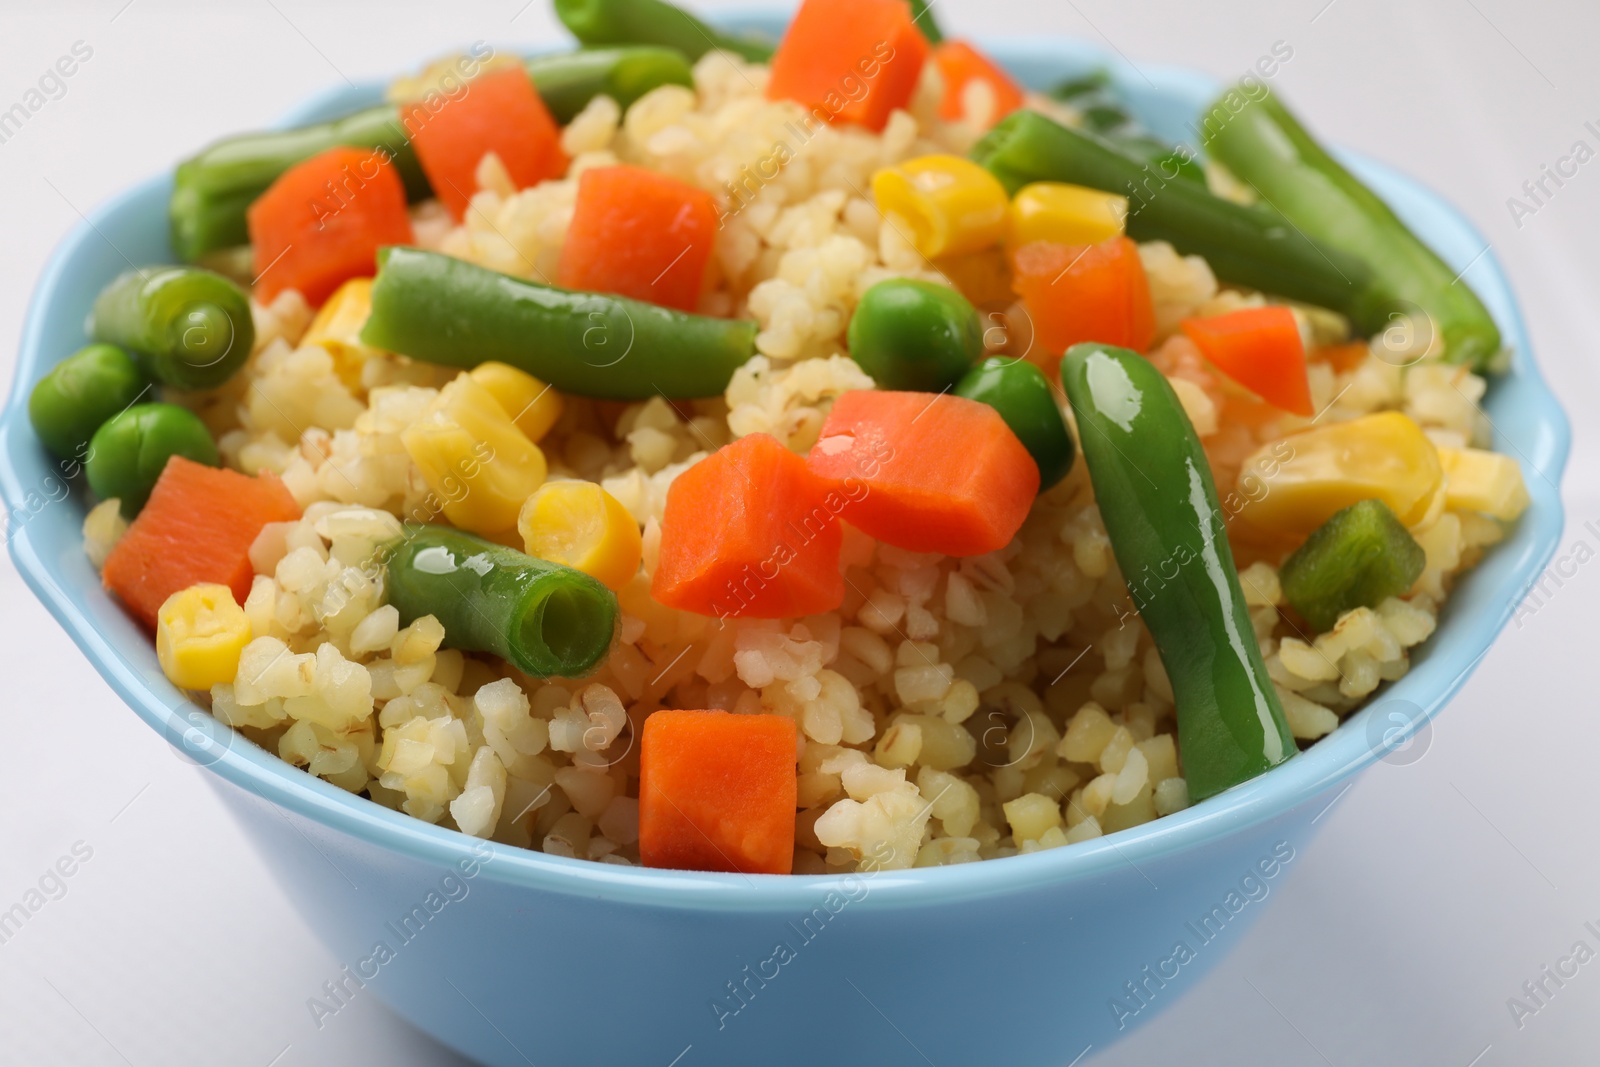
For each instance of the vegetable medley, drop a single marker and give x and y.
(513, 455)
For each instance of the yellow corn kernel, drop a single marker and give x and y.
(1292, 486)
(478, 464)
(1064, 214)
(582, 526)
(532, 404)
(200, 632)
(950, 205)
(1476, 480)
(337, 328)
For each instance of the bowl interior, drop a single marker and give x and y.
(45, 510)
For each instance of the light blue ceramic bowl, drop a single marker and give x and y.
(526, 958)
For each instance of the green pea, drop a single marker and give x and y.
(1019, 391)
(130, 451)
(82, 391)
(915, 335)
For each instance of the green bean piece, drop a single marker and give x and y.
(602, 22)
(922, 15)
(914, 336)
(1021, 393)
(1251, 246)
(544, 619)
(1357, 559)
(188, 328)
(1104, 113)
(444, 310)
(1153, 485)
(567, 82)
(213, 189)
(1264, 145)
(81, 392)
(129, 452)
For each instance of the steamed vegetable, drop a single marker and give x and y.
(337, 330)
(474, 458)
(1264, 145)
(926, 472)
(532, 405)
(969, 75)
(951, 205)
(1357, 559)
(580, 525)
(1152, 482)
(922, 15)
(188, 328)
(1104, 114)
(912, 334)
(601, 22)
(568, 81)
(1065, 215)
(717, 792)
(200, 632)
(68, 404)
(750, 532)
(322, 223)
(197, 527)
(499, 111)
(542, 618)
(441, 309)
(1261, 349)
(1301, 481)
(1488, 482)
(1249, 246)
(130, 450)
(849, 61)
(640, 234)
(1076, 293)
(212, 189)
(1019, 391)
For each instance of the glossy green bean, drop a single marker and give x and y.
(542, 618)
(445, 310)
(1152, 483)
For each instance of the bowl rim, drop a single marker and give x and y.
(1294, 785)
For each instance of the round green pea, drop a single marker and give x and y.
(81, 392)
(915, 335)
(130, 451)
(1019, 391)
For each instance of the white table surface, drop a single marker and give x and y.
(1434, 889)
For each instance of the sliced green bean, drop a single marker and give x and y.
(445, 310)
(602, 22)
(544, 619)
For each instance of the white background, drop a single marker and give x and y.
(1434, 890)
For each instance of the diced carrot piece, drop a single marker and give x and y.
(640, 234)
(750, 532)
(926, 472)
(322, 223)
(499, 112)
(849, 61)
(717, 792)
(963, 66)
(1076, 293)
(1261, 349)
(197, 527)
